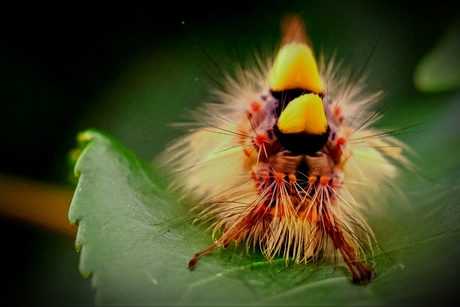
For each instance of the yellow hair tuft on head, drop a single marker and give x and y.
(295, 65)
(304, 114)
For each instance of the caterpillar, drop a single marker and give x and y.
(288, 161)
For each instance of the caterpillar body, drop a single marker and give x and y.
(285, 162)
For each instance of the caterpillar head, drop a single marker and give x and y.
(294, 80)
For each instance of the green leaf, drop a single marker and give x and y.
(136, 240)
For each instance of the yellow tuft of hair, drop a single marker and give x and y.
(295, 65)
(305, 114)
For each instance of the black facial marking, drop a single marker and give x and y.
(302, 143)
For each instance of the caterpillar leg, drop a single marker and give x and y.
(360, 273)
(197, 256)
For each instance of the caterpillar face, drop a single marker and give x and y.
(270, 163)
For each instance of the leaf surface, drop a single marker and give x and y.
(136, 240)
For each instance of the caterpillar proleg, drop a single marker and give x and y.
(284, 162)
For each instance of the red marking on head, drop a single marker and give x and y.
(292, 178)
(337, 111)
(261, 138)
(278, 177)
(324, 180)
(255, 106)
(341, 141)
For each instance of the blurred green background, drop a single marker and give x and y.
(130, 70)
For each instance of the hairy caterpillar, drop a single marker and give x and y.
(284, 162)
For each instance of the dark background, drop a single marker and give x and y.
(62, 62)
